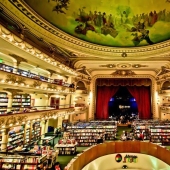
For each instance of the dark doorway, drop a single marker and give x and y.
(123, 104)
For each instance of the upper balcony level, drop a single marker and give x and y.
(17, 78)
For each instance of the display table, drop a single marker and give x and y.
(66, 149)
(49, 138)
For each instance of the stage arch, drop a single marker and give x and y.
(109, 81)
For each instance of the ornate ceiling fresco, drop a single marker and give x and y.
(123, 23)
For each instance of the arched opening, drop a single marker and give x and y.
(123, 104)
(80, 86)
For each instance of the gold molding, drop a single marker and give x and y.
(123, 73)
(12, 120)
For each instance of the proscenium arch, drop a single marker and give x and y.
(153, 90)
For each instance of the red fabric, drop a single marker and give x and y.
(142, 97)
(104, 93)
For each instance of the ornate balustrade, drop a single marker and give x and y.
(9, 120)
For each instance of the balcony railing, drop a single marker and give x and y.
(29, 109)
(28, 74)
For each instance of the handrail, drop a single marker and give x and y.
(29, 109)
(107, 148)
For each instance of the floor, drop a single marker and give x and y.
(65, 159)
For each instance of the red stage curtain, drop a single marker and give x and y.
(104, 93)
(142, 97)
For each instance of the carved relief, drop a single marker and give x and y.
(15, 79)
(51, 86)
(12, 78)
(15, 119)
(63, 88)
(48, 114)
(123, 73)
(37, 83)
(21, 80)
(2, 122)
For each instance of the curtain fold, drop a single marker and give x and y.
(104, 93)
(142, 97)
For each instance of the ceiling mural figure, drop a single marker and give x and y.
(123, 23)
(61, 6)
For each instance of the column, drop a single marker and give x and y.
(15, 67)
(59, 122)
(42, 130)
(70, 118)
(10, 98)
(4, 140)
(46, 126)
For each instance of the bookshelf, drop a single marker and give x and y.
(160, 134)
(86, 137)
(17, 162)
(35, 132)
(15, 138)
(21, 100)
(109, 128)
(3, 102)
(66, 146)
(142, 127)
(27, 135)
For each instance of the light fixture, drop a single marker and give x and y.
(124, 167)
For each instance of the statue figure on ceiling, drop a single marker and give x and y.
(61, 6)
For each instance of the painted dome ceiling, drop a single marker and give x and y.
(123, 23)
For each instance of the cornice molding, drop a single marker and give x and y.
(75, 44)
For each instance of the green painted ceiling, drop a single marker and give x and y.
(115, 23)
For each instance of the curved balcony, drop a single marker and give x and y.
(11, 78)
(34, 114)
(107, 148)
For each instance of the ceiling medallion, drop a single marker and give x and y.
(123, 65)
(123, 73)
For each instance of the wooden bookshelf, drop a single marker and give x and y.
(35, 132)
(15, 138)
(160, 134)
(3, 102)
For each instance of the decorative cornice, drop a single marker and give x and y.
(123, 73)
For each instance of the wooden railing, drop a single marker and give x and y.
(119, 147)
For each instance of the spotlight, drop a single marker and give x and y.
(124, 167)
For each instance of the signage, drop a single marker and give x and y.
(126, 159)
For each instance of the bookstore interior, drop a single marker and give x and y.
(87, 84)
